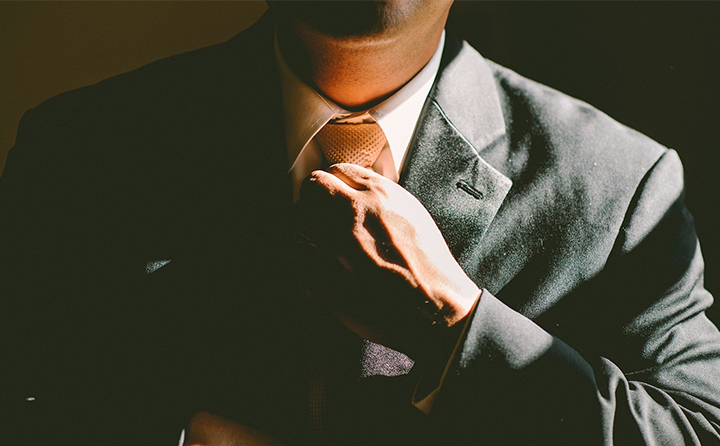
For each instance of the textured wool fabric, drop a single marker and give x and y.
(378, 360)
(354, 143)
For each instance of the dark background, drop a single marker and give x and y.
(654, 66)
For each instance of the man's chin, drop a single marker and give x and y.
(348, 19)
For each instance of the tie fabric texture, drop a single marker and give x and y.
(355, 143)
(334, 385)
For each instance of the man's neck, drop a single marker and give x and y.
(357, 73)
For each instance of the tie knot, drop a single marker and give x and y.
(359, 143)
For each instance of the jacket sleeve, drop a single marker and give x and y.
(41, 238)
(649, 367)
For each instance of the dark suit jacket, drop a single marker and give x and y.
(591, 329)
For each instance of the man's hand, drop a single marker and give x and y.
(378, 259)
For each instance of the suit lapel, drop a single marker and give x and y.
(443, 168)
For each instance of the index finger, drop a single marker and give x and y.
(332, 183)
(353, 175)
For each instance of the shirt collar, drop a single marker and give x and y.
(306, 111)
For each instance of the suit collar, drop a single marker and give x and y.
(444, 170)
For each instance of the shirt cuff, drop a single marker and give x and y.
(424, 400)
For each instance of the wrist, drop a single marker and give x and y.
(447, 324)
(452, 305)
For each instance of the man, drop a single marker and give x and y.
(535, 259)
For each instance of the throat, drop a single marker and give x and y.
(354, 73)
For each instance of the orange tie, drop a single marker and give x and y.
(351, 143)
(355, 143)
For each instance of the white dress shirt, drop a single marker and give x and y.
(307, 111)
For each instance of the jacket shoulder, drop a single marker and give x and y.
(570, 132)
(162, 110)
(191, 79)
